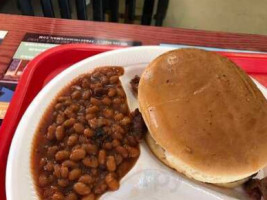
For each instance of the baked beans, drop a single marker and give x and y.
(86, 141)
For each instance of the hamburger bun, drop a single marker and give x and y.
(206, 117)
(160, 154)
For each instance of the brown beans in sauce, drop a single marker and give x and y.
(84, 145)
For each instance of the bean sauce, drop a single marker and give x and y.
(87, 140)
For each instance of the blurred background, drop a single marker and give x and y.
(240, 16)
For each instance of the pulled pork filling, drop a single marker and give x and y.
(134, 84)
(256, 188)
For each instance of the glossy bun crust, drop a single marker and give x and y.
(206, 114)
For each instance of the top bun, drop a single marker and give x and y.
(206, 113)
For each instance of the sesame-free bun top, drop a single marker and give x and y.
(206, 113)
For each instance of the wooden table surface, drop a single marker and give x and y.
(17, 26)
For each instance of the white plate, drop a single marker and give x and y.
(149, 178)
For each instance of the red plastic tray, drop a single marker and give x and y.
(48, 64)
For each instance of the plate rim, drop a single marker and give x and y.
(44, 92)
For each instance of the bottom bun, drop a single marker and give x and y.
(160, 153)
